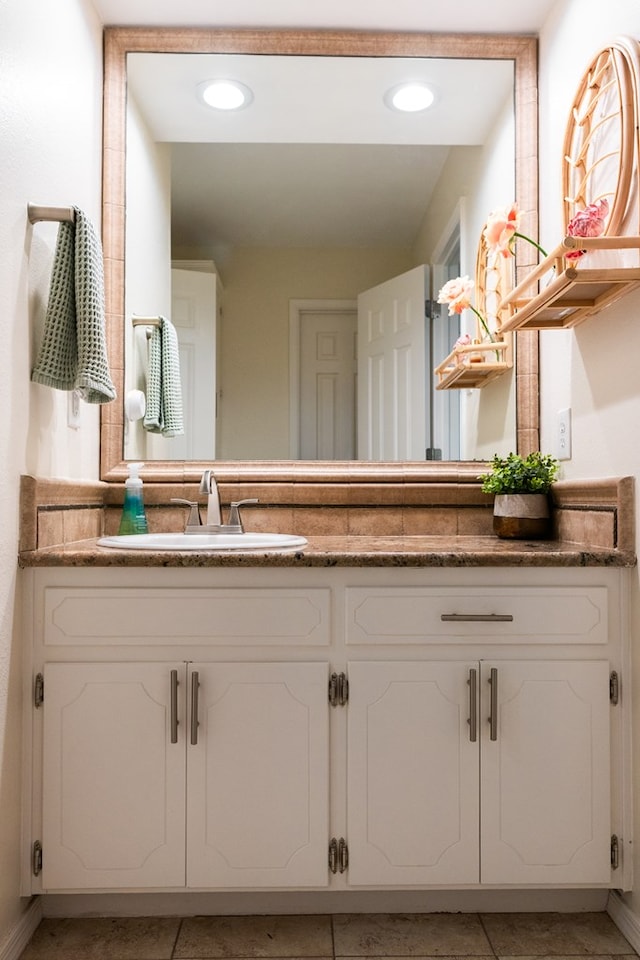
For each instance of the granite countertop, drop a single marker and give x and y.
(418, 551)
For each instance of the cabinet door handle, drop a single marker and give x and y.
(493, 714)
(476, 617)
(195, 684)
(473, 704)
(174, 706)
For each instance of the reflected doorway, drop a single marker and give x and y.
(323, 379)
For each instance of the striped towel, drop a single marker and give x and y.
(73, 353)
(164, 389)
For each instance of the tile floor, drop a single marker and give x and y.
(555, 936)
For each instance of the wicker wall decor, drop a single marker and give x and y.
(600, 166)
(477, 363)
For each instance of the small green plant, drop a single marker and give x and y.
(515, 474)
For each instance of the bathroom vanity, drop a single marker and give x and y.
(307, 722)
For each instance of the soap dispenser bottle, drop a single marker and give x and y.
(133, 518)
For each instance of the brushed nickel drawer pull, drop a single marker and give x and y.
(174, 706)
(493, 716)
(476, 617)
(473, 704)
(195, 684)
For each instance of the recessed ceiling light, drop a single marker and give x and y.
(225, 94)
(410, 97)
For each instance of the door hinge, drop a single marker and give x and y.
(38, 690)
(338, 855)
(36, 858)
(614, 687)
(338, 689)
(615, 852)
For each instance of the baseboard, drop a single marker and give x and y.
(627, 922)
(18, 938)
(344, 901)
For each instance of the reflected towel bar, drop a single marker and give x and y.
(146, 322)
(37, 213)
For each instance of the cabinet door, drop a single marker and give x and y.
(545, 776)
(258, 776)
(413, 791)
(113, 790)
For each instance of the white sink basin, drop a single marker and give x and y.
(216, 542)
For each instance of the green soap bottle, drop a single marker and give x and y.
(134, 519)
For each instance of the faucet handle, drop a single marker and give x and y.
(206, 481)
(234, 512)
(194, 513)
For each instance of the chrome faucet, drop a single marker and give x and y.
(209, 486)
(214, 522)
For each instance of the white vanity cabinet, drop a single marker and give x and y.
(189, 737)
(124, 743)
(489, 772)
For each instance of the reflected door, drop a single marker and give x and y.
(194, 315)
(393, 369)
(328, 384)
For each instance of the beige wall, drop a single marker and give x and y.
(258, 284)
(50, 152)
(594, 368)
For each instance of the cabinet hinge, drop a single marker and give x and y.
(338, 855)
(614, 687)
(38, 690)
(338, 689)
(615, 852)
(36, 858)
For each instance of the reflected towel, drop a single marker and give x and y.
(73, 353)
(164, 389)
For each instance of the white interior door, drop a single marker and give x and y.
(327, 384)
(194, 315)
(392, 369)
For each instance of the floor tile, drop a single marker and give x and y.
(410, 935)
(130, 938)
(554, 934)
(274, 937)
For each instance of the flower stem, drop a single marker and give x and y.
(483, 322)
(485, 327)
(529, 240)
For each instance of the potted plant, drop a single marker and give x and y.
(521, 486)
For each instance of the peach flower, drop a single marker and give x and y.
(457, 294)
(502, 226)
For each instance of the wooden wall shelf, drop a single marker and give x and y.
(474, 365)
(579, 288)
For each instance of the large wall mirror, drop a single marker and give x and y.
(265, 233)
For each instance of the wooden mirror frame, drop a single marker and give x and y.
(119, 41)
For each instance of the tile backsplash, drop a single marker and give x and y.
(594, 513)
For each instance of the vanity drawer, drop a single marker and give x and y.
(144, 616)
(509, 614)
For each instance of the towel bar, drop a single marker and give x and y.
(37, 213)
(145, 321)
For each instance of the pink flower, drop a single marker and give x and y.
(463, 341)
(457, 294)
(587, 223)
(502, 225)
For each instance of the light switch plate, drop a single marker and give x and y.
(563, 433)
